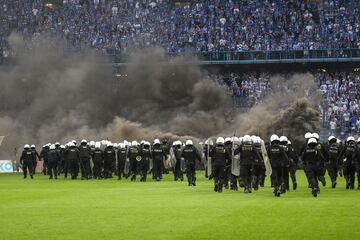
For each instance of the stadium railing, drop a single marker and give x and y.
(273, 56)
(254, 57)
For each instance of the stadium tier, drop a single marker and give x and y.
(282, 29)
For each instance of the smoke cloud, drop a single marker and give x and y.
(50, 94)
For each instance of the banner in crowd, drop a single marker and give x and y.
(6, 166)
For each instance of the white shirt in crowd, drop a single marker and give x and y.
(332, 124)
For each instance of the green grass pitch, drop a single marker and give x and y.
(111, 209)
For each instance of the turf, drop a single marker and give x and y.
(112, 209)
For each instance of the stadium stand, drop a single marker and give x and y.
(218, 31)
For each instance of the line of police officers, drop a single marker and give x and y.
(103, 159)
(231, 161)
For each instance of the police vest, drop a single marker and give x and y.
(98, 155)
(28, 156)
(333, 151)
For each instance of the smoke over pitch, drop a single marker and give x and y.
(49, 97)
(291, 111)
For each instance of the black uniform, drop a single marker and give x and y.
(322, 168)
(313, 161)
(109, 159)
(357, 165)
(178, 174)
(228, 176)
(278, 160)
(72, 162)
(85, 153)
(258, 169)
(248, 154)
(286, 167)
(166, 149)
(98, 160)
(35, 156)
(158, 155)
(220, 155)
(43, 156)
(206, 150)
(122, 155)
(294, 160)
(53, 161)
(145, 154)
(190, 155)
(332, 162)
(349, 160)
(60, 164)
(26, 160)
(134, 158)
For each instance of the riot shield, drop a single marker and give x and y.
(209, 166)
(235, 161)
(235, 165)
(172, 162)
(266, 159)
(182, 165)
(166, 162)
(151, 164)
(127, 166)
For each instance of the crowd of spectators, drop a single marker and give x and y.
(246, 89)
(200, 25)
(339, 108)
(341, 100)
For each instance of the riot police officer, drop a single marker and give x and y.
(98, 160)
(332, 162)
(278, 160)
(190, 155)
(313, 160)
(135, 158)
(145, 154)
(26, 161)
(109, 159)
(71, 161)
(219, 156)
(53, 161)
(158, 156)
(84, 153)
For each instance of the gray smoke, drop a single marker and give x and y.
(50, 95)
(289, 110)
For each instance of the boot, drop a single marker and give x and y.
(314, 192)
(219, 188)
(323, 181)
(216, 187)
(294, 185)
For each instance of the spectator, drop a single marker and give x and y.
(202, 25)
